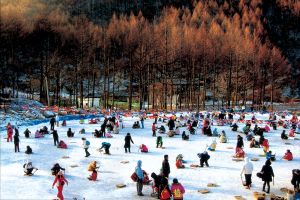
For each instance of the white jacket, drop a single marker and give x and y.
(247, 168)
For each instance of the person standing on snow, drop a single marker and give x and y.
(140, 178)
(10, 132)
(55, 137)
(57, 120)
(52, 122)
(16, 141)
(85, 145)
(177, 190)
(60, 182)
(128, 139)
(142, 121)
(247, 170)
(267, 174)
(166, 166)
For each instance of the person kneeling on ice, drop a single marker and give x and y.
(234, 127)
(284, 135)
(82, 131)
(62, 145)
(28, 168)
(159, 142)
(177, 190)
(27, 133)
(239, 153)
(28, 150)
(223, 138)
(60, 182)
(70, 133)
(247, 170)
(270, 156)
(215, 133)
(179, 161)
(56, 168)
(156, 184)
(213, 145)
(204, 157)
(106, 147)
(185, 136)
(93, 168)
(254, 143)
(64, 123)
(288, 155)
(162, 129)
(144, 148)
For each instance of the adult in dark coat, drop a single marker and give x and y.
(296, 178)
(16, 140)
(240, 142)
(55, 137)
(157, 183)
(70, 133)
(102, 130)
(171, 124)
(27, 133)
(128, 139)
(166, 166)
(52, 122)
(56, 168)
(204, 157)
(267, 174)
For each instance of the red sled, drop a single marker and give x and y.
(62, 145)
(146, 180)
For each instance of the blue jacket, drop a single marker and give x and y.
(138, 170)
(105, 145)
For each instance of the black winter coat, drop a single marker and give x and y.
(268, 173)
(55, 135)
(166, 167)
(52, 121)
(171, 124)
(127, 141)
(16, 139)
(240, 142)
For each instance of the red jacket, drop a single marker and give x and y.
(59, 181)
(93, 177)
(153, 127)
(10, 130)
(177, 191)
(288, 156)
(179, 163)
(265, 143)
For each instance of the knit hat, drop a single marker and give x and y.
(175, 180)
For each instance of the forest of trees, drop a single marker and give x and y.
(189, 50)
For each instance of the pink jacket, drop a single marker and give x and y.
(177, 191)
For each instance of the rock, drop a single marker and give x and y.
(212, 185)
(124, 162)
(65, 157)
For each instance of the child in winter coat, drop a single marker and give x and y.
(270, 156)
(153, 130)
(70, 133)
(223, 138)
(185, 136)
(106, 147)
(239, 153)
(56, 168)
(28, 168)
(288, 155)
(265, 145)
(254, 143)
(247, 170)
(60, 182)
(292, 133)
(85, 145)
(234, 127)
(93, 168)
(240, 142)
(28, 150)
(159, 142)
(144, 148)
(177, 190)
(27, 133)
(165, 193)
(140, 175)
(215, 133)
(179, 161)
(10, 132)
(213, 146)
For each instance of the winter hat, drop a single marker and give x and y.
(128, 134)
(175, 180)
(60, 173)
(83, 138)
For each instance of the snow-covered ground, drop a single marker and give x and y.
(222, 171)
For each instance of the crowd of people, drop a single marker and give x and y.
(197, 121)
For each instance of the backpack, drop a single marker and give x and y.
(165, 194)
(87, 143)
